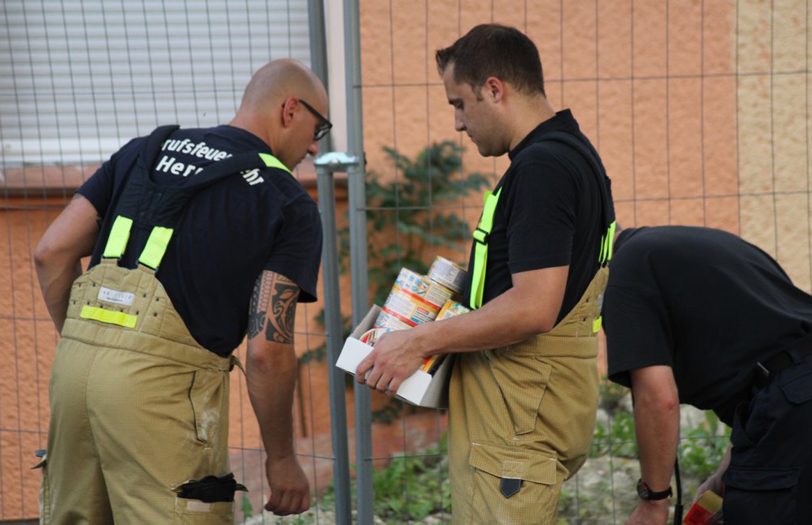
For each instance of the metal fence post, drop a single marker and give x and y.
(358, 251)
(326, 165)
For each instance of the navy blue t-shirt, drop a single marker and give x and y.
(227, 235)
(550, 213)
(704, 302)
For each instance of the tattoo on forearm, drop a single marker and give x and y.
(284, 294)
(281, 294)
(259, 304)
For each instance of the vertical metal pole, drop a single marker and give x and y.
(332, 321)
(318, 52)
(358, 250)
(318, 48)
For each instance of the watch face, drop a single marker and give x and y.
(647, 494)
(642, 489)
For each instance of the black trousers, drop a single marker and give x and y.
(770, 475)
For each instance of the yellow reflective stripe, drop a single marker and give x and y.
(611, 241)
(607, 244)
(273, 162)
(486, 222)
(478, 275)
(596, 324)
(480, 236)
(108, 316)
(119, 235)
(156, 247)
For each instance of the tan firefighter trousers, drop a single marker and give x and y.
(521, 419)
(134, 412)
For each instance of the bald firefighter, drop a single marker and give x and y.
(197, 238)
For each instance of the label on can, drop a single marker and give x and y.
(451, 309)
(414, 299)
(394, 322)
(422, 288)
(447, 273)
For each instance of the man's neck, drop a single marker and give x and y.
(252, 127)
(530, 112)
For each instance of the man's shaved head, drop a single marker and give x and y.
(280, 79)
(275, 108)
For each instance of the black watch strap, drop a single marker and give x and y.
(647, 494)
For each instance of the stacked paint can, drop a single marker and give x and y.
(413, 300)
(417, 299)
(447, 274)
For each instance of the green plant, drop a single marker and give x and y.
(411, 215)
(702, 447)
(246, 507)
(409, 488)
(615, 437)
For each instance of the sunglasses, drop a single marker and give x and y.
(324, 125)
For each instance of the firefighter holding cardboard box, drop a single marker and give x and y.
(524, 388)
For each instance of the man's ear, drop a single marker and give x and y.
(288, 111)
(494, 89)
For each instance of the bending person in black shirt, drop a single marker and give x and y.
(699, 316)
(198, 237)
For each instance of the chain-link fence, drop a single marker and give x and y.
(700, 110)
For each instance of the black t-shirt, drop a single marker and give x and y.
(227, 235)
(703, 302)
(549, 214)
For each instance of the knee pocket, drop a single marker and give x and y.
(535, 474)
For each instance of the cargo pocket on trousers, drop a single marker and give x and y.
(207, 500)
(522, 380)
(797, 387)
(512, 485)
(749, 491)
(44, 488)
(205, 395)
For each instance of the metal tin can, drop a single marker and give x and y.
(448, 274)
(451, 309)
(414, 299)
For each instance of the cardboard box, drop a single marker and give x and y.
(419, 389)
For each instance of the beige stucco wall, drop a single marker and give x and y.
(699, 109)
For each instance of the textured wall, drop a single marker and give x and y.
(699, 109)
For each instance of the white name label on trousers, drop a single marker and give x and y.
(114, 296)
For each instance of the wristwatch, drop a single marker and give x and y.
(647, 494)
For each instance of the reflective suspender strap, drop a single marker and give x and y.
(273, 162)
(108, 316)
(481, 234)
(607, 247)
(117, 240)
(596, 324)
(607, 244)
(156, 247)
